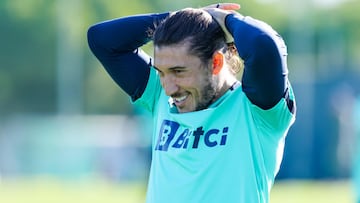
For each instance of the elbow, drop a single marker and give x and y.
(93, 37)
(96, 39)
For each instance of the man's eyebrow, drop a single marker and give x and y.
(171, 68)
(177, 68)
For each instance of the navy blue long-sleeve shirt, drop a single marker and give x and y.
(116, 44)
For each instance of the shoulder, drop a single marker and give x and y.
(152, 92)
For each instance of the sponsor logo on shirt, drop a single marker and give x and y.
(172, 136)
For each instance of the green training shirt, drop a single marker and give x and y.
(227, 153)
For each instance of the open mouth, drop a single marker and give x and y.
(180, 100)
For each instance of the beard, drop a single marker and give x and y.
(209, 93)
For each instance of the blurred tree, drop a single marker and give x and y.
(26, 57)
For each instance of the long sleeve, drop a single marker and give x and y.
(264, 54)
(116, 44)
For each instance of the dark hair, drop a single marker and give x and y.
(193, 26)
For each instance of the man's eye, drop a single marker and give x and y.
(178, 71)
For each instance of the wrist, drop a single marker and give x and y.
(228, 36)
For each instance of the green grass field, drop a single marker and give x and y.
(55, 191)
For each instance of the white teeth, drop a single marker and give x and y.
(179, 99)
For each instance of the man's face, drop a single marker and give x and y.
(184, 78)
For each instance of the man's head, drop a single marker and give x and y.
(191, 56)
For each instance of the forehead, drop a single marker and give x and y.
(174, 56)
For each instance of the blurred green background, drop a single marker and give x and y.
(69, 134)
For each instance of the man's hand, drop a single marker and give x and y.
(224, 6)
(219, 13)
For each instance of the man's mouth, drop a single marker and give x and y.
(179, 99)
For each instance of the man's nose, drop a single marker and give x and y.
(169, 85)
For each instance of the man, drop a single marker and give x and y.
(215, 139)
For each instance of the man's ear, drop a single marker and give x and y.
(218, 62)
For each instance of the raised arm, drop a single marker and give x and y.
(264, 53)
(116, 44)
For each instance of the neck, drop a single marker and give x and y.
(224, 86)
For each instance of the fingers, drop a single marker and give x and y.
(225, 6)
(228, 6)
(219, 15)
